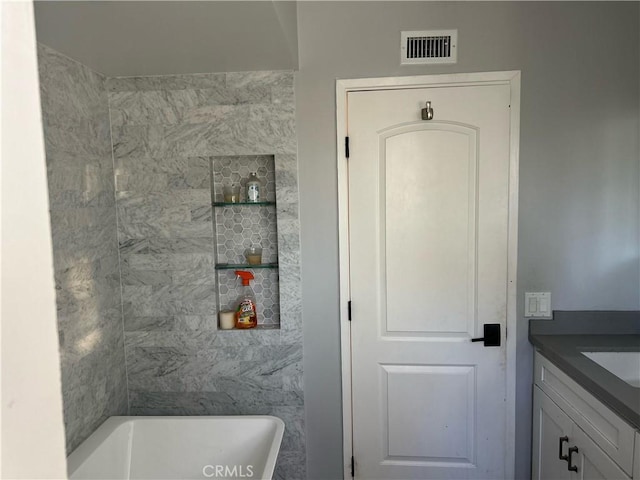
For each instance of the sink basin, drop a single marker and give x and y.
(624, 365)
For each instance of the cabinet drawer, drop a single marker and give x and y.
(608, 431)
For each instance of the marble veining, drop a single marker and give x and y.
(176, 140)
(85, 248)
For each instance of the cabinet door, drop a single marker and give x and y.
(591, 461)
(550, 424)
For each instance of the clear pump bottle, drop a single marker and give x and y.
(254, 188)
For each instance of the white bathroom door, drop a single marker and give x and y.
(428, 243)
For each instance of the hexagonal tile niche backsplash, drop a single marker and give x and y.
(236, 169)
(239, 227)
(266, 288)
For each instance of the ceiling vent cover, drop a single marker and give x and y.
(429, 46)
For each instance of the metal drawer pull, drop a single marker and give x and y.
(572, 468)
(561, 441)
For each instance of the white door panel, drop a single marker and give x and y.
(428, 223)
(433, 197)
(430, 412)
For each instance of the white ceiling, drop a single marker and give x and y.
(126, 38)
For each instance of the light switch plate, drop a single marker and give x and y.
(537, 304)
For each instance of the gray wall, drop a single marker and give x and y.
(578, 163)
(77, 138)
(170, 37)
(168, 133)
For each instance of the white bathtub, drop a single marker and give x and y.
(242, 447)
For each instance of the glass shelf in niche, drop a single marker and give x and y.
(260, 326)
(244, 266)
(235, 204)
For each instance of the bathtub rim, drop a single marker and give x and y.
(82, 452)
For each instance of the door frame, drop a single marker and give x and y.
(343, 87)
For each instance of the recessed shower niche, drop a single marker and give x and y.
(240, 224)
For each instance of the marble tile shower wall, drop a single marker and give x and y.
(85, 248)
(167, 131)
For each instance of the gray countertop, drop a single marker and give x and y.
(563, 339)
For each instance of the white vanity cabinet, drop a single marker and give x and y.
(575, 436)
(551, 426)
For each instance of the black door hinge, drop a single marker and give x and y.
(353, 467)
(349, 309)
(346, 146)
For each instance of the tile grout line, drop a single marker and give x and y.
(115, 199)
